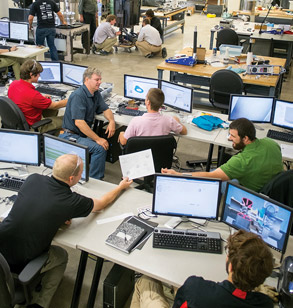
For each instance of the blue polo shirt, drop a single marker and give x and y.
(82, 105)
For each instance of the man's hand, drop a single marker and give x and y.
(110, 129)
(103, 142)
(269, 291)
(81, 18)
(125, 183)
(169, 171)
(67, 222)
(118, 33)
(13, 48)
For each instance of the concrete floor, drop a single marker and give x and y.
(113, 68)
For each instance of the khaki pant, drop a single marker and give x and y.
(6, 61)
(107, 44)
(146, 48)
(148, 293)
(56, 123)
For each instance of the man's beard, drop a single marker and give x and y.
(239, 146)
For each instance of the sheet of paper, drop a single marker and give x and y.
(137, 165)
(287, 150)
(114, 218)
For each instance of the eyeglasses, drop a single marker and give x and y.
(78, 162)
(226, 250)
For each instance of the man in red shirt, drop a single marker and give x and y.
(31, 102)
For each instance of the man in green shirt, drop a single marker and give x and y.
(87, 10)
(258, 161)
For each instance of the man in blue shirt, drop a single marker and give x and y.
(79, 116)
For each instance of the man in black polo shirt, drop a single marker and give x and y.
(44, 9)
(82, 106)
(155, 21)
(42, 206)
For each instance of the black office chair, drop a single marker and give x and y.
(13, 118)
(229, 37)
(223, 83)
(17, 289)
(162, 149)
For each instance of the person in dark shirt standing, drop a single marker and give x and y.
(155, 21)
(45, 9)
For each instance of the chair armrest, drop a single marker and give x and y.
(38, 124)
(32, 269)
(241, 42)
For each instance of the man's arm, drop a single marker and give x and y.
(122, 139)
(61, 17)
(8, 50)
(109, 197)
(30, 21)
(59, 104)
(108, 114)
(184, 129)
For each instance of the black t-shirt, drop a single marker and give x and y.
(42, 206)
(44, 9)
(199, 293)
(156, 23)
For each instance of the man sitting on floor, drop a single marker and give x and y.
(31, 102)
(149, 42)
(105, 36)
(249, 262)
(258, 161)
(35, 218)
(6, 61)
(152, 123)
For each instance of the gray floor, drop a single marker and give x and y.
(113, 68)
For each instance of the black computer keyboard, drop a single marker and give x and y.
(51, 91)
(5, 47)
(187, 240)
(11, 183)
(283, 136)
(130, 112)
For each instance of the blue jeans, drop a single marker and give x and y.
(97, 152)
(49, 35)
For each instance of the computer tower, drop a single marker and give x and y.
(117, 287)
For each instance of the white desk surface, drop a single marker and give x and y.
(29, 51)
(269, 36)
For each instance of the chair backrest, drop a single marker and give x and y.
(227, 36)
(6, 284)
(11, 116)
(223, 83)
(162, 149)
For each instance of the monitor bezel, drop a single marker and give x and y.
(86, 165)
(180, 86)
(266, 198)
(22, 23)
(251, 96)
(273, 114)
(24, 132)
(68, 83)
(132, 97)
(7, 22)
(156, 175)
(49, 82)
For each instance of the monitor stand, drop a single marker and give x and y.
(175, 221)
(3, 42)
(21, 44)
(22, 169)
(258, 127)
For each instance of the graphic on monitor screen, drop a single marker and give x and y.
(137, 87)
(177, 96)
(4, 29)
(283, 114)
(254, 108)
(72, 74)
(19, 31)
(186, 196)
(51, 72)
(256, 213)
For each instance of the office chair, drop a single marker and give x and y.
(229, 37)
(162, 149)
(17, 289)
(13, 118)
(223, 83)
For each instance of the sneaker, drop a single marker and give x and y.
(164, 52)
(94, 48)
(150, 55)
(104, 53)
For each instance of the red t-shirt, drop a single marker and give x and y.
(29, 100)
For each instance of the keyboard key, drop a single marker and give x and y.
(278, 135)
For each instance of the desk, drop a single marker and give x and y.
(29, 51)
(200, 74)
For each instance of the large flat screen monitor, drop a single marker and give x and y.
(256, 213)
(257, 109)
(51, 72)
(177, 97)
(18, 14)
(186, 196)
(19, 31)
(4, 29)
(55, 147)
(73, 74)
(19, 147)
(136, 87)
(283, 114)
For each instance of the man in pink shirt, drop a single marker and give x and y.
(152, 123)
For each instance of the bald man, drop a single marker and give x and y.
(43, 204)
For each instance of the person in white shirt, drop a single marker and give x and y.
(105, 36)
(149, 42)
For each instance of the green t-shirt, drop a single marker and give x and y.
(256, 164)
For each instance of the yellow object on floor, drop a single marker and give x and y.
(211, 15)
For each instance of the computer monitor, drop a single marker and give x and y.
(19, 31)
(186, 196)
(73, 74)
(283, 114)
(51, 72)
(4, 30)
(55, 147)
(18, 14)
(177, 96)
(256, 213)
(136, 87)
(19, 147)
(257, 109)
